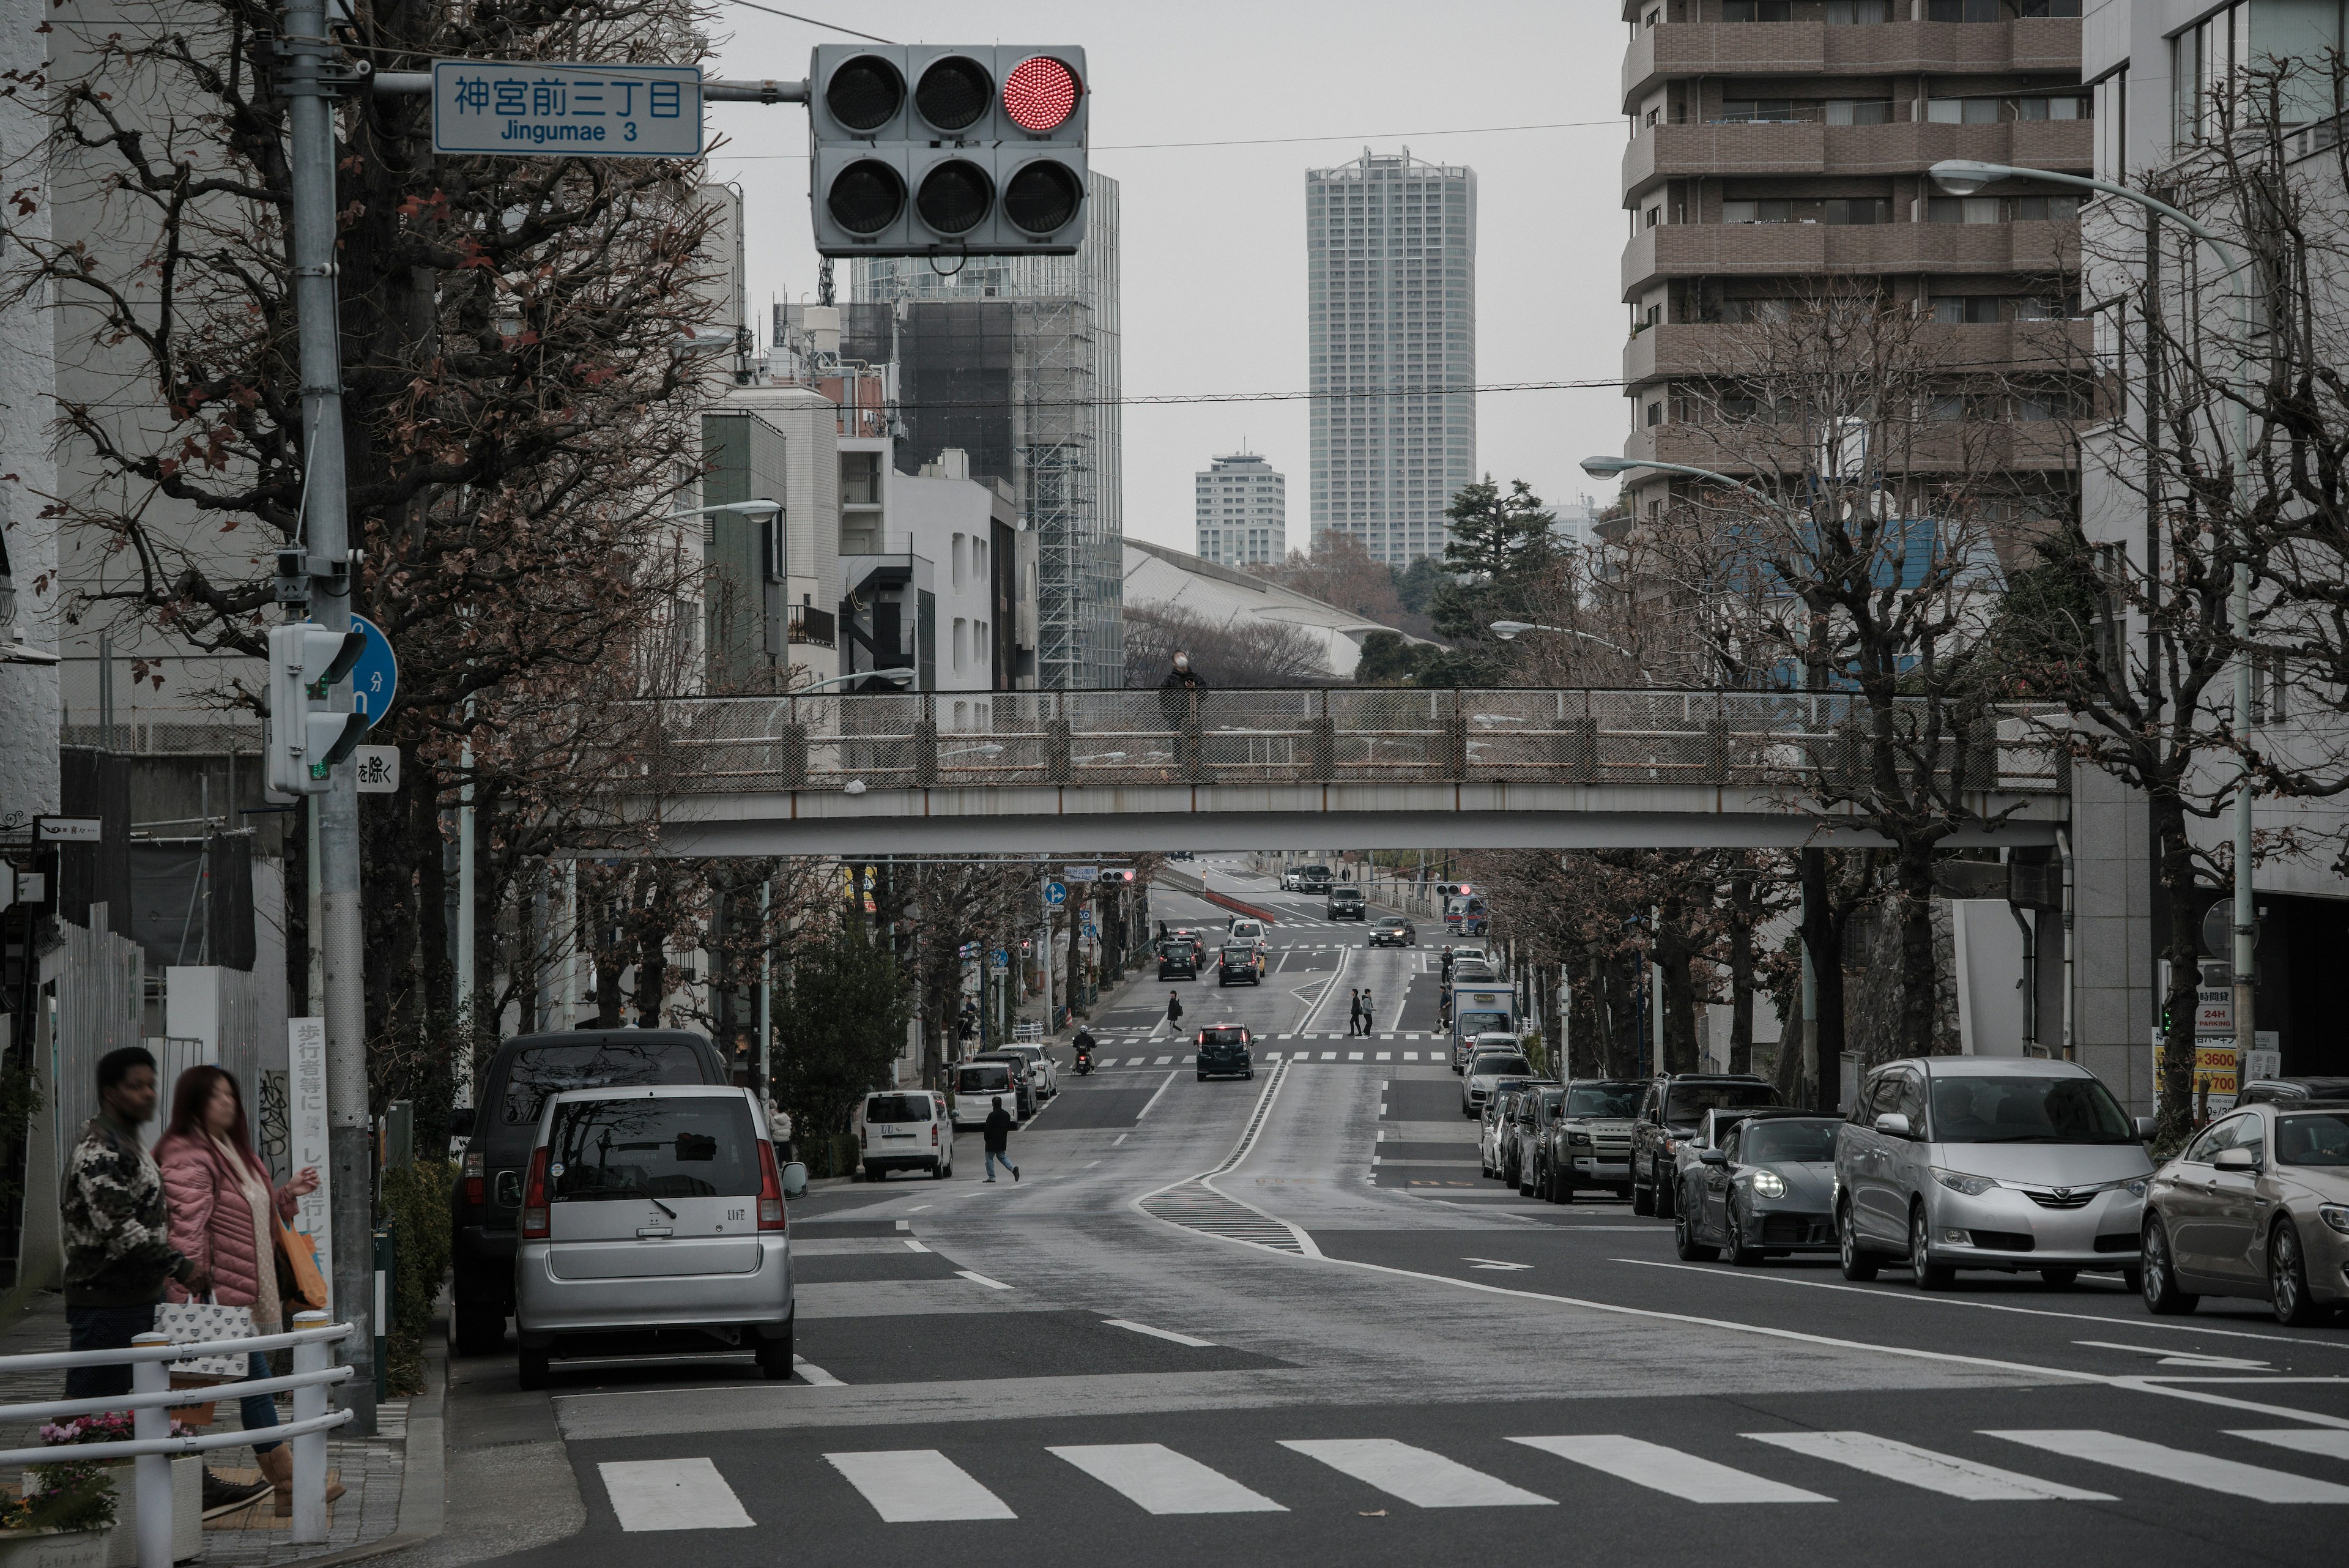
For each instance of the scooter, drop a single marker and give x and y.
(1084, 1063)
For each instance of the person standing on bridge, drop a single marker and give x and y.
(1178, 704)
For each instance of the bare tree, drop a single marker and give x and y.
(1243, 651)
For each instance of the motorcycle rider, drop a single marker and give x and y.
(1084, 1044)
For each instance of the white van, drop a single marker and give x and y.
(976, 1086)
(1245, 929)
(905, 1129)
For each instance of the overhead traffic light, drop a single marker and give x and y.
(939, 151)
(307, 737)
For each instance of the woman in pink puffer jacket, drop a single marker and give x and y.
(223, 1213)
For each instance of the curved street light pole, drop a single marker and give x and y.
(1508, 630)
(1964, 176)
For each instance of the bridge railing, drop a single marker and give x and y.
(1307, 735)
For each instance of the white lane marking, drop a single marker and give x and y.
(1920, 1297)
(2301, 1440)
(2187, 1468)
(1664, 1470)
(918, 1486)
(1162, 1482)
(1943, 1474)
(1422, 1478)
(812, 1374)
(1159, 1333)
(914, 1246)
(917, 1208)
(1410, 1055)
(1187, 1061)
(975, 1277)
(1091, 1163)
(1386, 1057)
(904, 1224)
(1162, 1061)
(1495, 1263)
(1154, 1099)
(1330, 1056)
(1353, 1056)
(1118, 1139)
(2179, 1357)
(671, 1494)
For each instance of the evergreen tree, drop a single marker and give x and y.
(841, 1014)
(1495, 543)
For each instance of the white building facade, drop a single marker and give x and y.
(1390, 281)
(1241, 504)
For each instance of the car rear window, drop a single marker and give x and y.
(984, 1078)
(655, 1148)
(898, 1109)
(539, 1073)
(1495, 1062)
(1223, 1036)
(1689, 1102)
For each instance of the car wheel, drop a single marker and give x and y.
(532, 1367)
(873, 1172)
(2059, 1279)
(1930, 1275)
(2288, 1278)
(1666, 1199)
(481, 1330)
(2158, 1280)
(1684, 1242)
(938, 1171)
(1643, 1199)
(1857, 1265)
(1202, 1078)
(1250, 1074)
(1742, 1252)
(775, 1356)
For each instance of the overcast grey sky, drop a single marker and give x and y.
(1214, 242)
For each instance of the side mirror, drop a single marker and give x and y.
(1712, 1157)
(2235, 1159)
(795, 1180)
(1893, 1124)
(2144, 1130)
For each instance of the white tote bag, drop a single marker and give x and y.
(195, 1322)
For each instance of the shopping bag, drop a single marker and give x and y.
(194, 1322)
(300, 1283)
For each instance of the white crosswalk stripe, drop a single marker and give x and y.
(671, 1494)
(2331, 1443)
(1162, 1482)
(1664, 1470)
(1420, 1478)
(2181, 1465)
(1943, 1474)
(918, 1486)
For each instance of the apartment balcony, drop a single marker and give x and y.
(813, 627)
(1977, 449)
(1762, 149)
(1823, 250)
(1681, 49)
(1695, 349)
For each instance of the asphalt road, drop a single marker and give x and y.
(1285, 1320)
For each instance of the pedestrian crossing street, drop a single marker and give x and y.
(904, 1486)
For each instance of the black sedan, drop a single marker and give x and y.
(1768, 1190)
(1394, 931)
(1224, 1052)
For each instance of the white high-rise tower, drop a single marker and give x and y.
(1391, 251)
(1242, 506)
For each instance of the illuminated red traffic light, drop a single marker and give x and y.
(1040, 94)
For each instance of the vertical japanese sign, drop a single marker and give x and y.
(306, 1079)
(529, 107)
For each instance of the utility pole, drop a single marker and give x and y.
(311, 81)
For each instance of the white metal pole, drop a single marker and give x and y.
(569, 1010)
(310, 1448)
(465, 883)
(766, 984)
(152, 1473)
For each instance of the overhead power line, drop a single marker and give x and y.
(810, 21)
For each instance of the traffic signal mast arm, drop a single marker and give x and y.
(419, 83)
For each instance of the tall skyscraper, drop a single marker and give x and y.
(1036, 361)
(1390, 256)
(1243, 511)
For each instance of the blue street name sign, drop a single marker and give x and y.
(531, 108)
(375, 678)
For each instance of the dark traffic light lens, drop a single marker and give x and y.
(955, 197)
(864, 93)
(1040, 94)
(1042, 197)
(954, 92)
(866, 197)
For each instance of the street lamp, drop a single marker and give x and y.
(741, 508)
(898, 676)
(1509, 630)
(1963, 177)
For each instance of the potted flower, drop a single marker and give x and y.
(61, 1519)
(121, 1538)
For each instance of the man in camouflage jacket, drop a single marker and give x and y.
(117, 1251)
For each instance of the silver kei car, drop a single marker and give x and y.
(2257, 1204)
(1988, 1162)
(656, 1212)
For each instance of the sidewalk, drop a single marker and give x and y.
(380, 1509)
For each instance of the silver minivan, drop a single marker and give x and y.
(1988, 1162)
(654, 1210)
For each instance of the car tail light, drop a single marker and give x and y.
(864, 1137)
(934, 1135)
(476, 1173)
(771, 1189)
(533, 1198)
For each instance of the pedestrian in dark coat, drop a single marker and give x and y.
(1173, 1011)
(1353, 1012)
(999, 1140)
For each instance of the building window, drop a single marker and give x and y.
(1655, 413)
(2112, 127)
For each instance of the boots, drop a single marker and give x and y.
(277, 1469)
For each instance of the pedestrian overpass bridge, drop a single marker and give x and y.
(1123, 770)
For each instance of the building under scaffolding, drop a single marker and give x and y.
(1016, 360)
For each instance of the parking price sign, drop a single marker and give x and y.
(527, 108)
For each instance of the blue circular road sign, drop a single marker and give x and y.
(1055, 894)
(375, 678)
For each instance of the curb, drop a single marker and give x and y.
(423, 1465)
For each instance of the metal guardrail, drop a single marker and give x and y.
(152, 1397)
(1339, 735)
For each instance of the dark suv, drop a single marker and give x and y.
(486, 1200)
(1224, 1052)
(1669, 1113)
(1346, 904)
(1178, 959)
(1237, 962)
